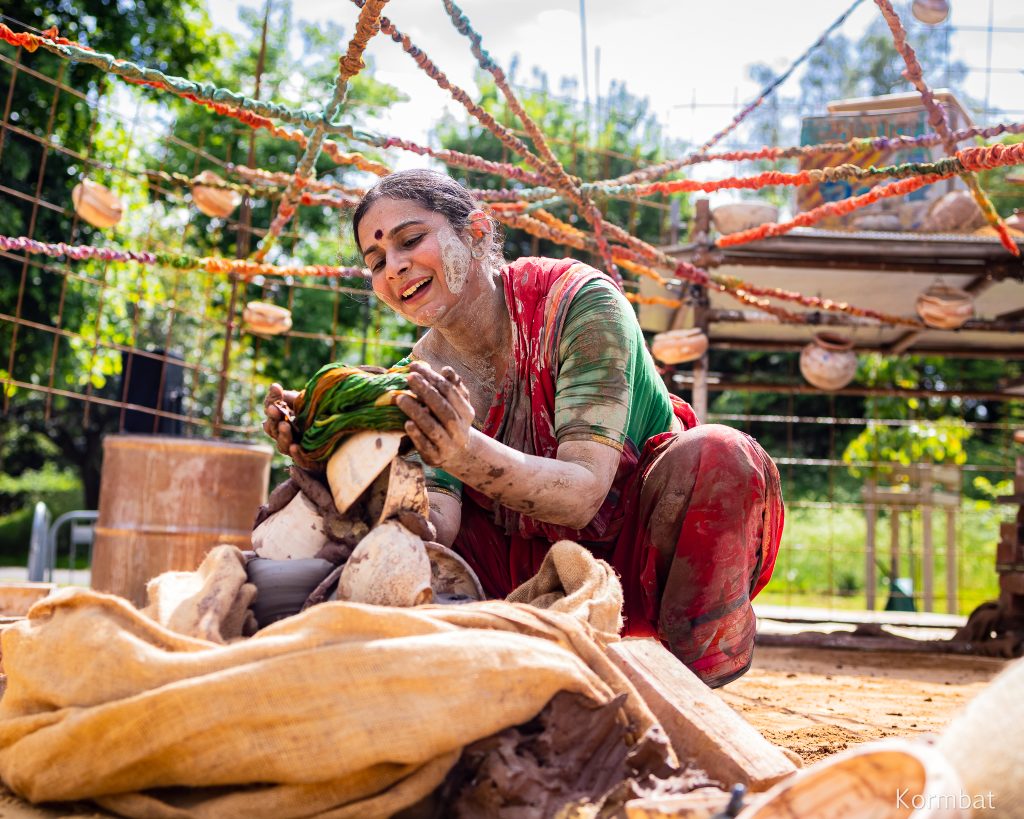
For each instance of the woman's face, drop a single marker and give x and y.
(419, 264)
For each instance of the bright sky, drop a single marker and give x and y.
(689, 58)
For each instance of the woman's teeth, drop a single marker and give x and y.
(408, 293)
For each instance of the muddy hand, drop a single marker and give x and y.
(440, 417)
(279, 409)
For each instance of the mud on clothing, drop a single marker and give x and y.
(693, 519)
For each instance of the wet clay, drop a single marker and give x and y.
(573, 752)
(456, 259)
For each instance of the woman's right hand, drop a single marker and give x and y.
(279, 409)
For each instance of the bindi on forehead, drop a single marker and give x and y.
(378, 234)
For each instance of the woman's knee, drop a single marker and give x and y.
(718, 450)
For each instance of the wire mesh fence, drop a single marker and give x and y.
(94, 346)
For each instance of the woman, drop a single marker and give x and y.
(540, 416)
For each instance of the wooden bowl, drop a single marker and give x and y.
(880, 780)
(97, 205)
(211, 199)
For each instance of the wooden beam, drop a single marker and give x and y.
(681, 379)
(796, 345)
(701, 727)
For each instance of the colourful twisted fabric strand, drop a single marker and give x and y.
(937, 118)
(340, 400)
(180, 261)
(779, 80)
(349, 65)
(840, 208)
(552, 169)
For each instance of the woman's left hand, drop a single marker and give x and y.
(441, 415)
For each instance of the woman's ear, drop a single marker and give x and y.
(479, 226)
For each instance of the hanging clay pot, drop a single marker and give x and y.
(945, 307)
(266, 319)
(97, 205)
(678, 346)
(211, 199)
(931, 12)
(828, 362)
(739, 216)
(1015, 221)
(885, 780)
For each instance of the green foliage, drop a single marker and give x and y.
(59, 489)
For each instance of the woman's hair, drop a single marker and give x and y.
(434, 191)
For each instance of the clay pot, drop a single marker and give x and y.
(266, 319)
(882, 780)
(283, 585)
(931, 12)
(743, 216)
(214, 201)
(678, 346)
(451, 578)
(294, 532)
(944, 307)
(97, 205)
(828, 362)
(1015, 221)
(389, 567)
(953, 212)
(882, 222)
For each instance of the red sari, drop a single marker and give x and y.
(693, 593)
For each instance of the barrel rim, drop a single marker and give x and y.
(138, 441)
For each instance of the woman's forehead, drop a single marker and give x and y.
(385, 214)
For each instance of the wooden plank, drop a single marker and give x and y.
(701, 727)
(870, 570)
(952, 561)
(928, 558)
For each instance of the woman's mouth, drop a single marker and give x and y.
(417, 289)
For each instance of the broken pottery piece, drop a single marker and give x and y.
(282, 586)
(296, 532)
(406, 490)
(357, 461)
(451, 578)
(389, 567)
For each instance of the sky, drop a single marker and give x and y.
(689, 58)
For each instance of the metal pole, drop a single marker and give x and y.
(586, 77)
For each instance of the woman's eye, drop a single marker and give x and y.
(376, 265)
(412, 241)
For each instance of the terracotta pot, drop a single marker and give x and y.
(389, 567)
(954, 212)
(451, 578)
(214, 201)
(882, 780)
(678, 346)
(828, 362)
(97, 205)
(266, 319)
(931, 12)
(1015, 221)
(944, 307)
(743, 216)
(283, 585)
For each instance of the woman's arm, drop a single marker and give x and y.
(567, 490)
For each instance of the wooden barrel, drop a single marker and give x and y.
(165, 502)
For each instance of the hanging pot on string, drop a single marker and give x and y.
(828, 362)
(213, 199)
(266, 319)
(931, 12)
(945, 307)
(96, 204)
(679, 346)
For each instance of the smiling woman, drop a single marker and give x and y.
(540, 416)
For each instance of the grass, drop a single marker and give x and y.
(821, 559)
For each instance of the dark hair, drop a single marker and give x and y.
(432, 190)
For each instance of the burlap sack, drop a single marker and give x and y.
(345, 710)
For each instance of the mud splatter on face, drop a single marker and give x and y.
(455, 257)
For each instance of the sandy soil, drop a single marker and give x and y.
(818, 702)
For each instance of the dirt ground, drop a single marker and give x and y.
(818, 702)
